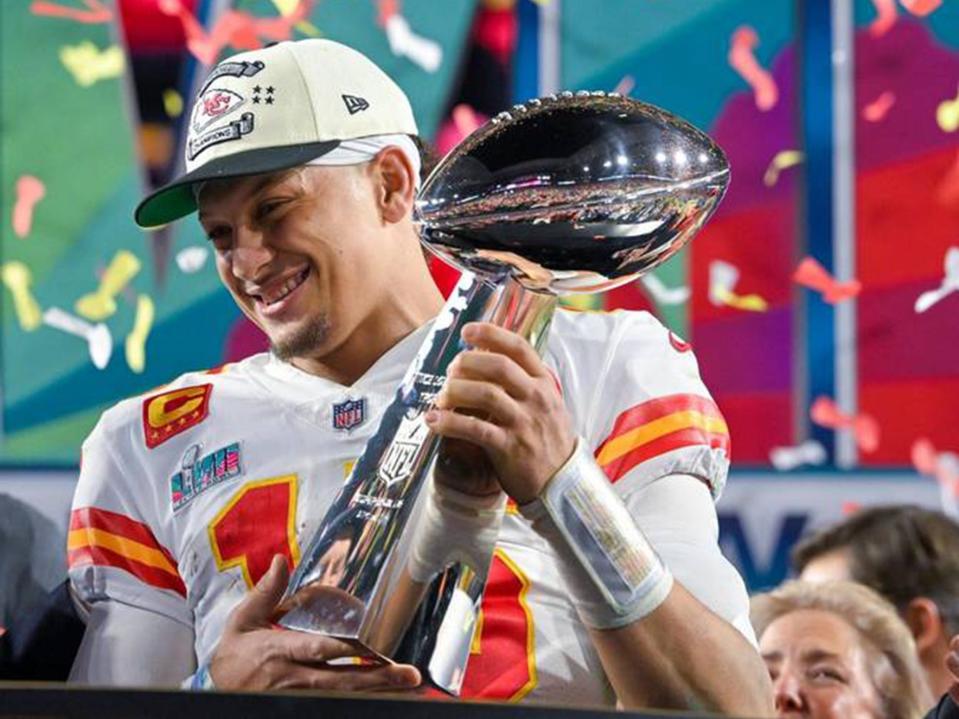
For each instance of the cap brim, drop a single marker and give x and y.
(176, 200)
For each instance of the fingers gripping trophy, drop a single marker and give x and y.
(575, 193)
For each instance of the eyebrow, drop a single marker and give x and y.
(259, 186)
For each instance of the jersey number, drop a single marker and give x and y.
(258, 523)
(502, 661)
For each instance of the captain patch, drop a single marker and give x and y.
(166, 415)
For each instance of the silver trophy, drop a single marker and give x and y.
(565, 194)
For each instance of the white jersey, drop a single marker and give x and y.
(187, 493)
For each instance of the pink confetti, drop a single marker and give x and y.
(234, 28)
(947, 192)
(743, 60)
(811, 274)
(940, 465)
(850, 508)
(30, 191)
(885, 19)
(921, 8)
(96, 13)
(865, 428)
(877, 109)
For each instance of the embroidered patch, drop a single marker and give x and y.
(166, 415)
(349, 414)
(213, 105)
(199, 474)
(355, 104)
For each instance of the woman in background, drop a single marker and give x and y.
(837, 650)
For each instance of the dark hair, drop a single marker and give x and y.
(429, 158)
(900, 551)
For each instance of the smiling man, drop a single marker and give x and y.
(302, 164)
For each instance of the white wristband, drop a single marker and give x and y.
(455, 527)
(613, 572)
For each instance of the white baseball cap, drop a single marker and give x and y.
(275, 108)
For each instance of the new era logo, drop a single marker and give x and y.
(355, 104)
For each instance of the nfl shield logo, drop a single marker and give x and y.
(349, 414)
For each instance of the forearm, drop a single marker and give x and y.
(683, 656)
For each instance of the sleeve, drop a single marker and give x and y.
(678, 517)
(113, 550)
(651, 415)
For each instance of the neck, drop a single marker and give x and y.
(405, 306)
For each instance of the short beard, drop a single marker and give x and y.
(304, 342)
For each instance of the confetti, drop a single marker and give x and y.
(101, 304)
(30, 191)
(95, 13)
(885, 18)
(88, 64)
(292, 7)
(233, 28)
(877, 109)
(782, 161)
(722, 279)
(663, 295)
(811, 274)
(743, 60)
(172, 103)
(864, 427)
(624, 86)
(787, 458)
(136, 341)
(920, 8)
(950, 282)
(947, 114)
(943, 467)
(191, 259)
(18, 278)
(98, 338)
(423, 52)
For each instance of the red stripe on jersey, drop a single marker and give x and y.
(119, 524)
(687, 437)
(646, 412)
(104, 557)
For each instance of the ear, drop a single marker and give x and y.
(396, 185)
(924, 621)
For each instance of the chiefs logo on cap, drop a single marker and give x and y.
(166, 415)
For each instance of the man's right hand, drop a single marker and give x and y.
(254, 655)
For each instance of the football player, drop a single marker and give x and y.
(194, 501)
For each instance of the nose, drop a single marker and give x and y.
(787, 693)
(251, 254)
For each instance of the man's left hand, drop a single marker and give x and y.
(516, 412)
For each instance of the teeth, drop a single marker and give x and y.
(278, 293)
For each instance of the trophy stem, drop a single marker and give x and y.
(353, 581)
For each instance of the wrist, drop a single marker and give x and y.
(612, 571)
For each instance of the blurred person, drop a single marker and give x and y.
(910, 556)
(32, 558)
(837, 650)
(302, 166)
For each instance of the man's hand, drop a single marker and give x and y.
(511, 408)
(254, 655)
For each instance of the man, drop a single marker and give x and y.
(301, 166)
(911, 557)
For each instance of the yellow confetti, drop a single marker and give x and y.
(749, 303)
(947, 114)
(172, 103)
(88, 64)
(582, 303)
(287, 8)
(101, 304)
(136, 341)
(18, 278)
(782, 161)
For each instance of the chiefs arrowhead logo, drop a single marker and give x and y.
(166, 415)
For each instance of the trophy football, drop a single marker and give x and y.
(575, 193)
